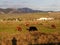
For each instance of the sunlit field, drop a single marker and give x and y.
(8, 28)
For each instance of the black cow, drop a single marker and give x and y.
(32, 28)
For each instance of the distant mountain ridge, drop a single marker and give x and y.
(19, 10)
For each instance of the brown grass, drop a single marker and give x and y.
(30, 38)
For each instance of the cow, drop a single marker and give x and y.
(53, 26)
(19, 28)
(27, 23)
(32, 28)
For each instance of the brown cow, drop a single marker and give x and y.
(27, 24)
(19, 28)
(53, 26)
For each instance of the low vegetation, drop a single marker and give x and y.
(48, 31)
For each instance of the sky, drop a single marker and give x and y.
(46, 5)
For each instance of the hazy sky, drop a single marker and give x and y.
(34, 4)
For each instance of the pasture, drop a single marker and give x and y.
(8, 28)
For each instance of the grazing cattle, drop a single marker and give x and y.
(45, 18)
(35, 22)
(32, 28)
(53, 26)
(19, 28)
(27, 24)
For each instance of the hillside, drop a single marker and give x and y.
(18, 10)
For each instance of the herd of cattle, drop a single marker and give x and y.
(20, 19)
(32, 28)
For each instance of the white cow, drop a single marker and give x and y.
(45, 19)
(50, 18)
(42, 19)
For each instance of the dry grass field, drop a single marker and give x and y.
(45, 34)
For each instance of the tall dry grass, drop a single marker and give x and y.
(33, 37)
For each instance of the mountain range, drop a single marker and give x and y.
(19, 10)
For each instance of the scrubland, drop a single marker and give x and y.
(45, 34)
